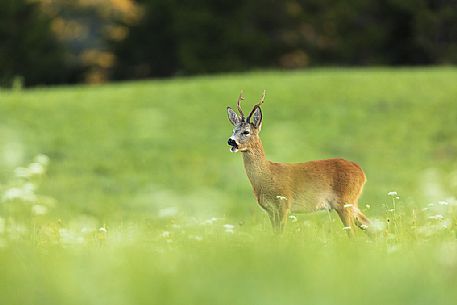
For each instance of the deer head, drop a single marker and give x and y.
(246, 130)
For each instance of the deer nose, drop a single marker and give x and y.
(231, 142)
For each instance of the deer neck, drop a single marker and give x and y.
(256, 165)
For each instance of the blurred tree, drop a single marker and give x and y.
(436, 30)
(85, 26)
(28, 48)
(387, 32)
(98, 40)
(365, 32)
(150, 48)
(229, 35)
(204, 36)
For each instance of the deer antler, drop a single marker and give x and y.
(240, 98)
(262, 98)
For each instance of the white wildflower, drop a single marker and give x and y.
(12, 194)
(103, 229)
(168, 212)
(451, 201)
(445, 224)
(39, 209)
(36, 169)
(443, 202)
(165, 234)
(22, 172)
(436, 217)
(438, 227)
(210, 221)
(293, 218)
(42, 159)
(25, 193)
(367, 206)
(392, 194)
(229, 228)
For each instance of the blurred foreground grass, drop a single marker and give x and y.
(127, 194)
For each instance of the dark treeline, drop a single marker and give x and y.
(28, 48)
(206, 36)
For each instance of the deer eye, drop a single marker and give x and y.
(245, 132)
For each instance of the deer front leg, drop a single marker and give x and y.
(278, 211)
(273, 219)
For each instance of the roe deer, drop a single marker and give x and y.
(281, 188)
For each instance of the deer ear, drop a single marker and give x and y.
(232, 116)
(256, 115)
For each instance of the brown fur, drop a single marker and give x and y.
(307, 187)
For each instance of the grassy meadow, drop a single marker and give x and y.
(127, 193)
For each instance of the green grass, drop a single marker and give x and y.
(137, 171)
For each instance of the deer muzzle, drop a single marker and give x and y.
(233, 144)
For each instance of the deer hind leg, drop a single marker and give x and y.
(347, 218)
(351, 216)
(361, 220)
